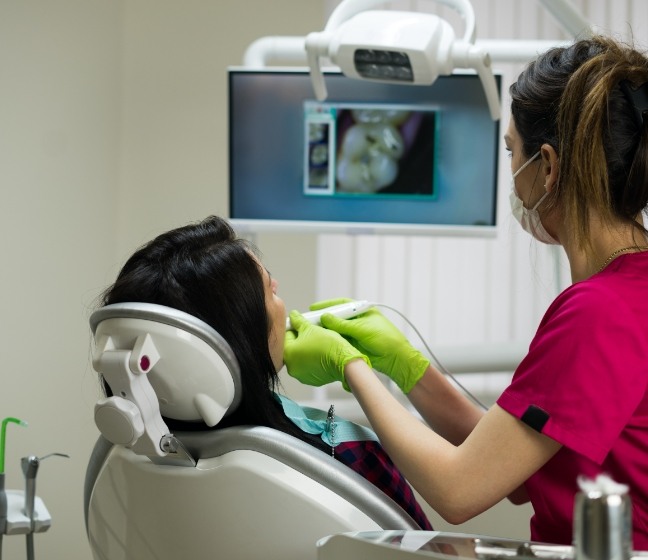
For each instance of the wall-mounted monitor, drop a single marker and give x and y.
(372, 158)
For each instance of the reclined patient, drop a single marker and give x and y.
(203, 269)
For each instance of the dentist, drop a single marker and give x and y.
(578, 402)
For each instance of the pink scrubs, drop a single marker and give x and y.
(584, 384)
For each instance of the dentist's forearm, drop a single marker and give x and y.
(407, 440)
(458, 480)
(447, 411)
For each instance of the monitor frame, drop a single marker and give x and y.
(269, 225)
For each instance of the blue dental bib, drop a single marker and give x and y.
(332, 429)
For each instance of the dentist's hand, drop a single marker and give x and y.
(317, 356)
(386, 347)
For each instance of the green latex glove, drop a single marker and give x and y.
(376, 337)
(317, 356)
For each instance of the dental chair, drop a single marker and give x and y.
(244, 492)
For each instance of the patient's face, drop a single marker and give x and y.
(276, 310)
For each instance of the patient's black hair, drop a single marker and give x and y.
(205, 270)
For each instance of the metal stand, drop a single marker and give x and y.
(23, 512)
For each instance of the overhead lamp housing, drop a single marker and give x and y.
(396, 46)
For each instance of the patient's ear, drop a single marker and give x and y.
(549, 160)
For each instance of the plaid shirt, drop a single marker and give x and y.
(369, 459)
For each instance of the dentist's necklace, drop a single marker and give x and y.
(619, 251)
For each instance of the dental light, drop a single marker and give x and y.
(396, 46)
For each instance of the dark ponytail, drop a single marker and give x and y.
(572, 99)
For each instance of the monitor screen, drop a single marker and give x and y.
(372, 158)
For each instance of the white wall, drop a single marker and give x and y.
(113, 128)
(174, 153)
(59, 140)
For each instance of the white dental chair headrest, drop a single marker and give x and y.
(159, 361)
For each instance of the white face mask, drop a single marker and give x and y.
(529, 218)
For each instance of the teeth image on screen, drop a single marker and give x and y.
(371, 148)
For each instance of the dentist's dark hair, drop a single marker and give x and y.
(205, 270)
(576, 100)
